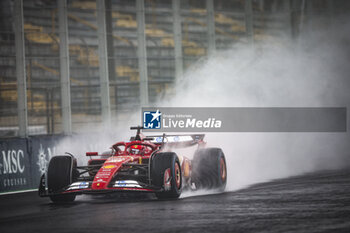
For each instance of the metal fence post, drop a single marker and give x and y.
(64, 67)
(20, 70)
(177, 39)
(211, 27)
(103, 62)
(287, 10)
(310, 15)
(330, 7)
(141, 50)
(249, 21)
(110, 53)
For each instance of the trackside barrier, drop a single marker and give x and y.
(24, 160)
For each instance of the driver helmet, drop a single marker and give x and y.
(136, 149)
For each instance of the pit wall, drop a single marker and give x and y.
(24, 160)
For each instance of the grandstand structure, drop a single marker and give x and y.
(66, 64)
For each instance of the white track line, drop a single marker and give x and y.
(22, 191)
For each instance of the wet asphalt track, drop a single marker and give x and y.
(318, 202)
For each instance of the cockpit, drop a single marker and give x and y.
(134, 148)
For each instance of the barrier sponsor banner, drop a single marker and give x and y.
(15, 168)
(23, 161)
(42, 149)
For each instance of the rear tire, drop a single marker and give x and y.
(209, 169)
(60, 175)
(166, 174)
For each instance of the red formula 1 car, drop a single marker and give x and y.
(144, 164)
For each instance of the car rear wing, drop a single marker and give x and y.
(180, 140)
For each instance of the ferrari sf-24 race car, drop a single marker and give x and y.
(143, 164)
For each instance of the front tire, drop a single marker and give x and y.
(60, 175)
(166, 174)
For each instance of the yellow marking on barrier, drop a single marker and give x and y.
(29, 27)
(127, 71)
(199, 11)
(121, 15)
(218, 30)
(126, 23)
(42, 38)
(9, 92)
(190, 44)
(156, 32)
(122, 39)
(53, 20)
(35, 34)
(190, 47)
(222, 32)
(86, 5)
(222, 19)
(94, 27)
(195, 51)
(9, 95)
(238, 28)
(55, 72)
(86, 56)
(35, 102)
(82, 21)
(168, 42)
(197, 21)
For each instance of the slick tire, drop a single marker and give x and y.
(209, 169)
(166, 174)
(60, 175)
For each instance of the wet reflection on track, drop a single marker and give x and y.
(309, 203)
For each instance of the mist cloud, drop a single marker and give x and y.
(312, 71)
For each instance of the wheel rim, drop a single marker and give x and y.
(222, 169)
(177, 175)
(167, 181)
